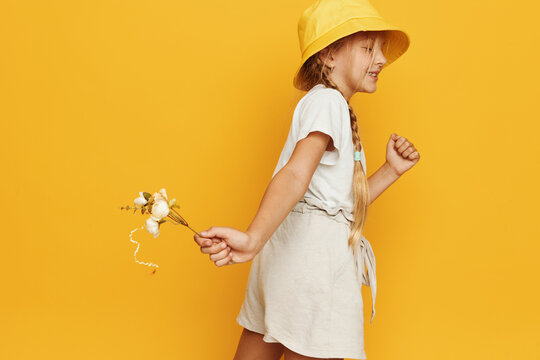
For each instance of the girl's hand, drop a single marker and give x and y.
(401, 155)
(242, 246)
(212, 246)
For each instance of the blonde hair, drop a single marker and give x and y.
(314, 71)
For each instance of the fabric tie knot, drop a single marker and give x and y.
(365, 258)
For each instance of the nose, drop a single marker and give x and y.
(381, 59)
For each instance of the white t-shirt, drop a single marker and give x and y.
(326, 110)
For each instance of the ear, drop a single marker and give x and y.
(326, 57)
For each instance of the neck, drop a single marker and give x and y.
(342, 85)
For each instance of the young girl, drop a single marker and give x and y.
(303, 297)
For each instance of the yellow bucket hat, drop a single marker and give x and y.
(326, 21)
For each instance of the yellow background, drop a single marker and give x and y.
(102, 99)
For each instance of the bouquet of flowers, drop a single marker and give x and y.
(160, 209)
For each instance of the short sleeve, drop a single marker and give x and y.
(325, 113)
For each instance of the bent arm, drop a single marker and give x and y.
(287, 187)
(380, 180)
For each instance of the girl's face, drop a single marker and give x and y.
(357, 59)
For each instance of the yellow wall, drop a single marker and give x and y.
(102, 99)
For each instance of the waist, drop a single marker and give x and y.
(313, 205)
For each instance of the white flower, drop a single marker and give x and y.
(161, 195)
(140, 201)
(153, 227)
(164, 193)
(160, 209)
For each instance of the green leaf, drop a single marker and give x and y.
(147, 195)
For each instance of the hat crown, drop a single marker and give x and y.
(324, 15)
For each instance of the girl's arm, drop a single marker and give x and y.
(288, 186)
(401, 155)
(380, 180)
(284, 191)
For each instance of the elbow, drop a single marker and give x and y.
(299, 180)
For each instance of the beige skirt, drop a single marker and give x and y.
(304, 286)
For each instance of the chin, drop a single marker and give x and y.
(369, 90)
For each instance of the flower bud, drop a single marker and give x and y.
(152, 227)
(164, 193)
(140, 201)
(158, 196)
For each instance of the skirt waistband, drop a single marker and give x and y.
(308, 204)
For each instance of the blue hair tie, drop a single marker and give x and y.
(357, 156)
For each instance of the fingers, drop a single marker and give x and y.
(208, 237)
(215, 248)
(405, 148)
(220, 254)
(407, 152)
(227, 260)
(217, 231)
(410, 153)
(202, 241)
(205, 241)
(213, 241)
(402, 145)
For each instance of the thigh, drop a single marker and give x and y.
(252, 346)
(291, 355)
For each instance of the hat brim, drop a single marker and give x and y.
(398, 38)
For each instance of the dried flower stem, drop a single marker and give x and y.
(180, 220)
